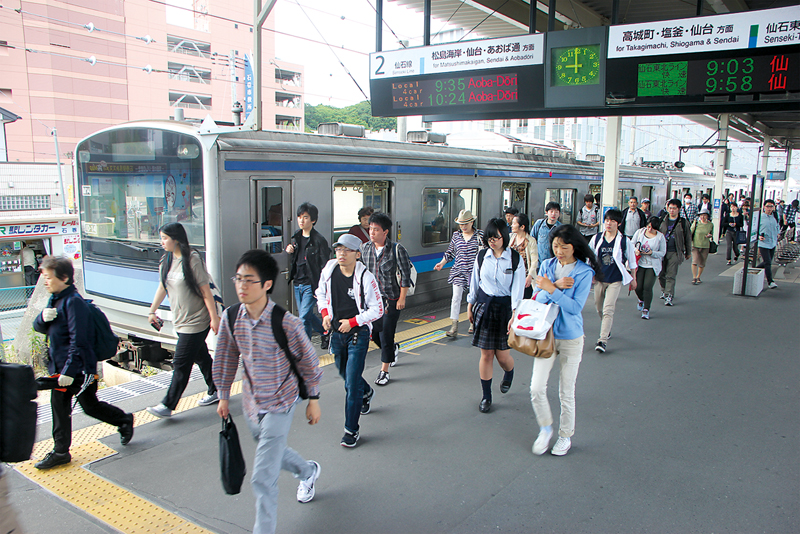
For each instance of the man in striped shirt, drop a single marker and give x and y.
(270, 387)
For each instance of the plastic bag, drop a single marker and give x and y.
(533, 319)
(231, 460)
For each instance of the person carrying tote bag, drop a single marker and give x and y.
(565, 280)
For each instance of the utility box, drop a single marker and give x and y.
(755, 282)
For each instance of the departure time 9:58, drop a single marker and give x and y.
(729, 72)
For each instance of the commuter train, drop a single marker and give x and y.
(234, 190)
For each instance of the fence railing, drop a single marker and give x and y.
(13, 302)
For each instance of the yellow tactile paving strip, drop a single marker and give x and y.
(114, 505)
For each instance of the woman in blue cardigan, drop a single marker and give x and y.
(565, 280)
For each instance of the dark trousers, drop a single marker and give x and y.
(383, 331)
(645, 280)
(61, 405)
(733, 248)
(766, 262)
(191, 349)
(350, 359)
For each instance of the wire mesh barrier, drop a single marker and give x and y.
(13, 302)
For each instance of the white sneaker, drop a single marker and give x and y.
(773, 285)
(208, 400)
(305, 490)
(396, 354)
(160, 410)
(542, 442)
(561, 447)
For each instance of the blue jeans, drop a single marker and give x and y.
(350, 360)
(272, 455)
(306, 302)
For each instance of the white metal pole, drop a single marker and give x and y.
(719, 169)
(611, 166)
(54, 133)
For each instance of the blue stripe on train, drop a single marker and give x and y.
(295, 166)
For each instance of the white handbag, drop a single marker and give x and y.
(533, 319)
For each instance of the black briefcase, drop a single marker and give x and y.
(231, 460)
(17, 412)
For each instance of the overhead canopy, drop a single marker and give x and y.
(500, 18)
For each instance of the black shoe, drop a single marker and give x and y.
(53, 459)
(485, 406)
(365, 402)
(349, 439)
(505, 385)
(600, 347)
(324, 341)
(126, 432)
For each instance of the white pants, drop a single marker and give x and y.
(8, 517)
(455, 304)
(569, 353)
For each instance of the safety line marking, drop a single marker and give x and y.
(118, 507)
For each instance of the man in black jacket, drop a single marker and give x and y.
(310, 252)
(67, 323)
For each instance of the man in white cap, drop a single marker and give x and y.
(349, 300)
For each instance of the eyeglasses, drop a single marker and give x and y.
(244, 282)
(343, 250)
(494, 238)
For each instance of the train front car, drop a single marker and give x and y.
(132, 180)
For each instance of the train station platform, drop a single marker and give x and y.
(689, 423)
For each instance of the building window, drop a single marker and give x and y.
(188, 73)
(523, 126)
(505, 126)
(188, 100)
(24, 202)
(181, 45)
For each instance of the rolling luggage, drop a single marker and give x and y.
(17, 412)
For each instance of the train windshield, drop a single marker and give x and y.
(130, 183)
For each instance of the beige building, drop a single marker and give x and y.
(94, 63)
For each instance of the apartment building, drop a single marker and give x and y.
(77, 66)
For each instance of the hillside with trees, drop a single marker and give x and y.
(360, 113)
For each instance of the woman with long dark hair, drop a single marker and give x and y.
(524, 243)
(183, 277)
(565, 280)
(651, 247)
(495, 291)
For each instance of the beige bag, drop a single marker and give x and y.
(538, 348)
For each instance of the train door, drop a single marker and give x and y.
(566, 198)
(515, 195)
(273, 227)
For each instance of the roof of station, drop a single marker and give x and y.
(500, 18)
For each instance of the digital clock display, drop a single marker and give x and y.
(455, 91)
(720, 76)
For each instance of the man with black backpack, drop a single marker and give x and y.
(68, 323)
(280, 367)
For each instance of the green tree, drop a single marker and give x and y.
(360, 114)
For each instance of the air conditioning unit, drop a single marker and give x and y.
(424, 136)
(340, 129)
(597, 158)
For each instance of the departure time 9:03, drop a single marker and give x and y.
(732, 75)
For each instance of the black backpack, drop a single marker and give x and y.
(105, 342)
(280, 338)
(514, 261)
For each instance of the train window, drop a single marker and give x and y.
(515, 194)
(440, 208)
(623, 195)
(349, 196)
(272, 219)
(566, 199)
(132, 182)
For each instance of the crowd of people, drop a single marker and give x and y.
(359, 295)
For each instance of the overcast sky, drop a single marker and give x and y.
(349, 27)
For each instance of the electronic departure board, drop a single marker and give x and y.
(466, 92)
(446, 91)
(703, 77)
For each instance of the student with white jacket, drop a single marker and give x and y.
(349, 300)
(651, 246)
(617, 259)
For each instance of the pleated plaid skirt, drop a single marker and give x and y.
(491, 323)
